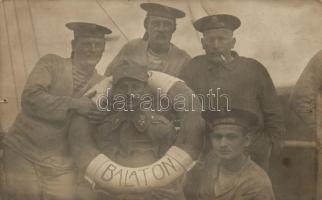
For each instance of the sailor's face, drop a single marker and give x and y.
(132, 90)
(229, 141)
(88, 50)
(218, 42)
(160, 29)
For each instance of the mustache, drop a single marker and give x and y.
(214, 52)
(93, 53)
(217, 55)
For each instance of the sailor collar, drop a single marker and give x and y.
(216, 169)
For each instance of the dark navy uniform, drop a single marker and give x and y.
(246, 84)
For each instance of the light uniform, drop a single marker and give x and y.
(40, 129)
(137, 51)
(209, 181)
(232, 175)
(36, 145)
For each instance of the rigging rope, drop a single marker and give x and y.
(114, 23)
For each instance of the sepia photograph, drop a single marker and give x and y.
(160, 100)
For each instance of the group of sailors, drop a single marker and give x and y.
(59, 130)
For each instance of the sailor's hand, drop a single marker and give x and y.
(83, 105)
(99, 113)
(96, 116)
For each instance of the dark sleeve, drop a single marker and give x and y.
(187, 74)
(271, 107)
(82, 144)
(187, 59)
(36, 99)
(184, 58)
(190, 136)
(305, 93)
(169, 137)
(192, 182)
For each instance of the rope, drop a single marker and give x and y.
(114, 23)
(10, 55)
(204, 7)
(33, 28)
(20, 41)
(192, 17)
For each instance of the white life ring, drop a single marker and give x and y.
(156, 81)
(114, 177)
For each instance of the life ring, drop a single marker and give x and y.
(157, 80)
(111, 176)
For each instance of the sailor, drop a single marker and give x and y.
(305, 94)
(155, 49)
(227, 172)
(131, 137)
(243, 83)
(36, 160)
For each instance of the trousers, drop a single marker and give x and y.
(26, 180)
